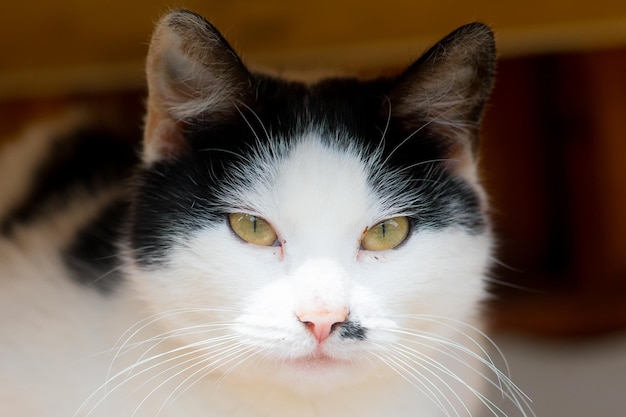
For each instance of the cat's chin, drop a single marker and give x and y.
(318, 373)
(317, 363)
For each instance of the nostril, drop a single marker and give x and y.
(334, 326)
(322, 325)
(311, 325)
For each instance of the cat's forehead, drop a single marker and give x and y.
(310, 177)
(306, 150)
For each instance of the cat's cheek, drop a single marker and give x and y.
(210, 268)
(431, 273)
(268, 323)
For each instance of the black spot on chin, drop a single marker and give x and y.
(352, 330)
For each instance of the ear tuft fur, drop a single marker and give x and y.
(192, 71)
(447, 88)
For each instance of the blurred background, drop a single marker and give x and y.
(554, 149)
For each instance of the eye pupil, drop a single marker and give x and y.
(386, 235)
(252, 229)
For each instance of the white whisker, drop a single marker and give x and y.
(197, 361)
(203, 347)
(152, 342)
(266, 133)
(418, 383)
(411, 135)
(148, 321)
(412, 353)
(207, 370)
(381, 143)
(127, 373)
(459, 352)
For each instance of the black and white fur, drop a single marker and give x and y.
(124, 292)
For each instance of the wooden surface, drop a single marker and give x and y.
(53, 46)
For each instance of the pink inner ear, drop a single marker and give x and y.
(461, 160)
(162, 136)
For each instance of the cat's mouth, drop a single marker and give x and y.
(316, 361)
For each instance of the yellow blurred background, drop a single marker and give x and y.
(76, 45)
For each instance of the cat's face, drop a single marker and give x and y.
(320, 203)
(295, 233)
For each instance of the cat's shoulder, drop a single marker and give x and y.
(53, 160)
(63, 182)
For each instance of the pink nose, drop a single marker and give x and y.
(322, 324)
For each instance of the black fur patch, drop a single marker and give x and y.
(93, 255)
(90, 158)
(352, 330)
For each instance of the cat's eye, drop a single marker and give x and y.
(386, 235)
(252, 229)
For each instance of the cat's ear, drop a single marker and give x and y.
(192, 72)
(446, 89)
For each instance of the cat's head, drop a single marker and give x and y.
(296, 231)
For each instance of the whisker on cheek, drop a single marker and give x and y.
(216, 360)
(416, 379)
(153, 360)
(208, 368)
(463, 345)
(139, 369)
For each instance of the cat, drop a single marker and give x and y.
(276, 248)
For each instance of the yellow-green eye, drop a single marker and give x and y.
(386, 235)
(252, 229)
